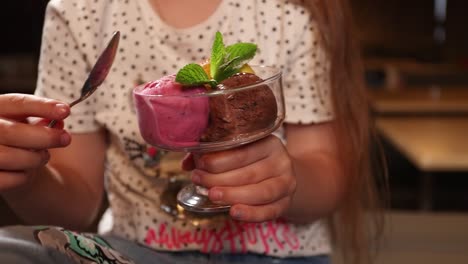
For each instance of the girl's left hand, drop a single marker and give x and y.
(257, 179)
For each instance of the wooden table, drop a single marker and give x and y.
(420, 100)
(432, 144)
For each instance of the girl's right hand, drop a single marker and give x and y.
(24, 145)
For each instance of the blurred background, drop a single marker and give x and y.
(416, 58)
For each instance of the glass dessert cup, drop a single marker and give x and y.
(214, 120)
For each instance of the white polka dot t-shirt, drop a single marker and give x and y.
(140, 179)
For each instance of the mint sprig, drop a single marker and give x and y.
(224, 62)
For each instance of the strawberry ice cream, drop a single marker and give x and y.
(181, 117)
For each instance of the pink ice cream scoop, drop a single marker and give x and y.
(169, 115)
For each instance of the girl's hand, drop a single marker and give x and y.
(23, 146)
(257, 179)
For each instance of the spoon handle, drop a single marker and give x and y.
(52, 123)
(98, 73)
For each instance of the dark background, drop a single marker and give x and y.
(387, 29)
(21, 22)
(21, 28)
(404, 28)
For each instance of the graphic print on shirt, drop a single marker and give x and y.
(81, 248)
(146, 158)
(230, 236)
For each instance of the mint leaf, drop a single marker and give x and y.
(235, 57)
(240, 53)
(217, 54)
(226, 73)
(224, 62)
(192, 75)
(228, 69)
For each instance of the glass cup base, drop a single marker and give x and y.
(194, 201)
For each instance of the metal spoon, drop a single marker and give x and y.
(99, 72)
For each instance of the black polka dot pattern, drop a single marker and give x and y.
(75, 33)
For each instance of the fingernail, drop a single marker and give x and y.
(61, 108)
(65, 138)
(216, 195)
(237, 213)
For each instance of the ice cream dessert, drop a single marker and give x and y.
(218, 101)
(243, 112)
(168, 115)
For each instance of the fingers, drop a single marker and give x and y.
(257, 179)
(261, 193)
(45, 122)
(14, 159)
(261, 213)
(222, 161)
(253, 173)
(25, 136)
(11, 180)
(24, 105)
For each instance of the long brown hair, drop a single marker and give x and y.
(353, 234)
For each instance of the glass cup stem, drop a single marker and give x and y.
(195, 199)
(201, 190)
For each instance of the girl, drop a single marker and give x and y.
(282, 194)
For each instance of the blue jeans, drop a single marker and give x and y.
(41, 245)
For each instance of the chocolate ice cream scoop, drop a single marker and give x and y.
(233, 115)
